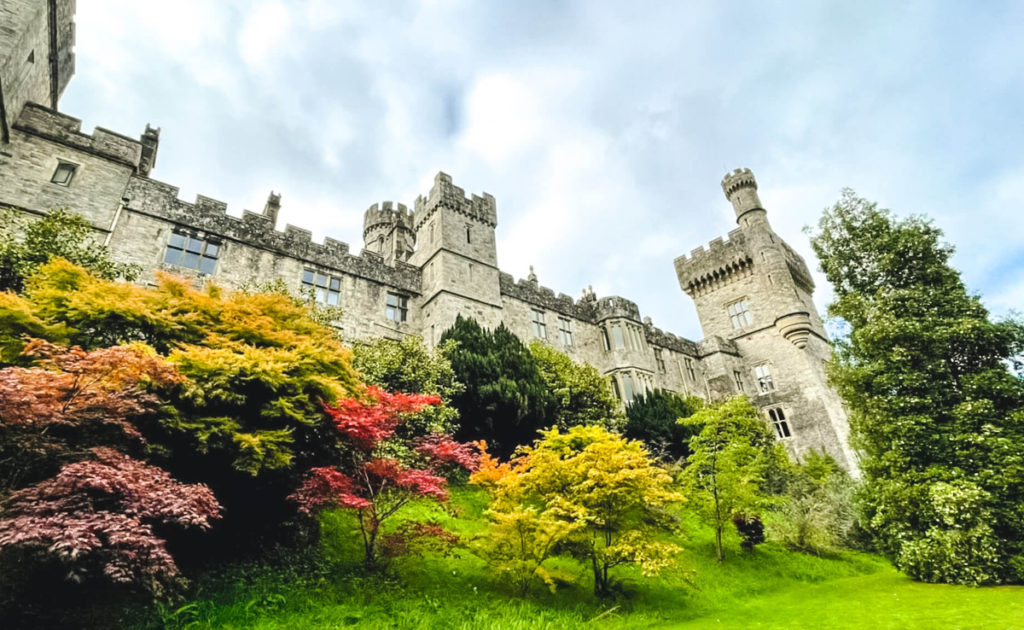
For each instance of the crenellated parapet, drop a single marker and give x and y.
(446, 194)
(615, 307)
(386, 215)
(658, 337)
(717, 345)
(62, 129)
(160, 200)
(707, 269)
(543, 297)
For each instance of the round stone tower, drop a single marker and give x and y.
(740, 189)
(387, 230)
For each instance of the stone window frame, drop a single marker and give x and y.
(659, 360)
(739, 314)
(322, 292)
(71, 168)
(690, 371)
(193, 252)
(777, 416)
(738, 377)
(618, 340)
(540, 327)
(396, 307)
(565, 331)
(763, 378)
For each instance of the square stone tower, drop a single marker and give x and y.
(455, 249)
(754, 291)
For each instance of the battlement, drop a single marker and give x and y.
(63, 129)
(446, 194)
(543, 297)
(157, 199)
(386, 214)
(615, 306)
(739, 178)
(722, 261)
(658, 337)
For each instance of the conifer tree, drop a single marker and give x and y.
(506, 400)
(936, 410)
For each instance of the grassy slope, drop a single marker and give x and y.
(771, 588)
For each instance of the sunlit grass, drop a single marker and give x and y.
(769, 588)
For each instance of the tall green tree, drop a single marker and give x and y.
(733, 458)
(581, 396)
(653, 418)
(935, 409)
(506, 400)
(27, 244)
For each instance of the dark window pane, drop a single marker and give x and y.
(307, 276)
(173, 256)
(207, 265)
(335, 284)
(176, 240)
(191, 260)
(211, 250)
(194, 245)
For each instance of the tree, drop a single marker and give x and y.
(581, 396)
(935, 411)
(587, 491)
(375, 487)
(96, 520)
(506, 400)
(410, 366)
(248, 419)
(71, 402)
(27, 245)
(731, 458)
(816, 512)
(653, 419)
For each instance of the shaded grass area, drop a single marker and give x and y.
(769, 588)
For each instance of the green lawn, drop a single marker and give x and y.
(770, 588)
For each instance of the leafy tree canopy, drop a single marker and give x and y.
(589, 492)
(506, 400)
(734, 457)
(580, 395)
(935, 411)
(653, 418)
(25, 245)
(248, 419)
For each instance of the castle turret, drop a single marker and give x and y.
(754, 291)
(740, 189)
(388, 231)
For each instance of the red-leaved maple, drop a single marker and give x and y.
(74, 400)
(96, 518)
(377, 487)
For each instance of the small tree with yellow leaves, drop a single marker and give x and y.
(587, 492)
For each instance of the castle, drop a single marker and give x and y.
(418, 269)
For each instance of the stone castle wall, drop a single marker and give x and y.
(440, 260)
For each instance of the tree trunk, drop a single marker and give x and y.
(718, 542)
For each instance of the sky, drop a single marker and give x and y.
(603, 129)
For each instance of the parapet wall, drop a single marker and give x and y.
(532, 293)
(662, 339)
(157, 199)
(41, 121)
(722, 259)
(445, 193)
(386, 214)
